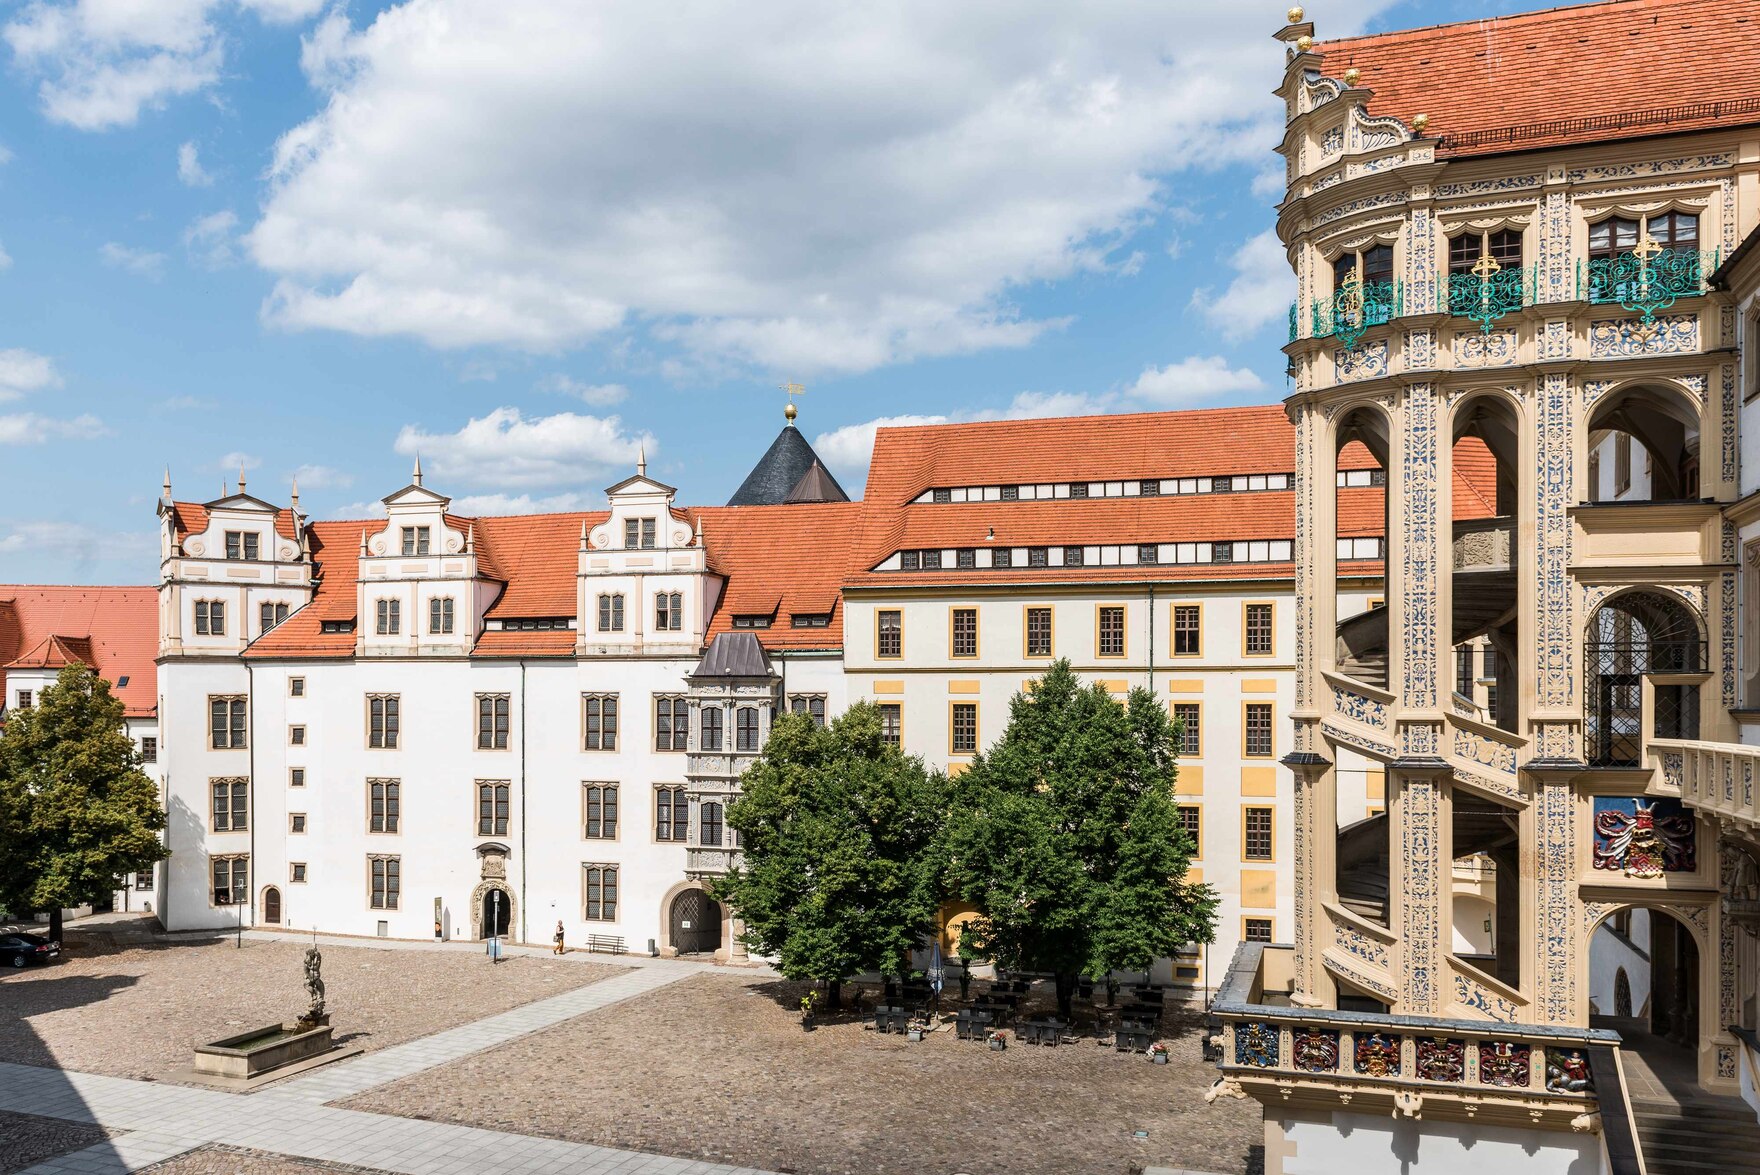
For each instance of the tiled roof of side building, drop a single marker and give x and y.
(781, 561)
(1585, 73)
(113, 629)
(336, 548)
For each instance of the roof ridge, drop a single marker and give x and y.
(1421, 32)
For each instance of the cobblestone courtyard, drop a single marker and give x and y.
(28, 1139)
(135, 1010)
(716, 1067)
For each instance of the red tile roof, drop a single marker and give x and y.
(336, 550)
(115, 630)
(1612, 70)
(779, 561)
(192, 518)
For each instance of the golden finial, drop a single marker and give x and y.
(1295, 14)
(1419, 122)
(1352, 76)
(1304, 43)
(792, 390)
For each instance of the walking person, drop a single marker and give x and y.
(560, 949)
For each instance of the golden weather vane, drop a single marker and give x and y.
(792, 390)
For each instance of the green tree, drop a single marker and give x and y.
(76, 810)
(1065, 837)
(838, 829)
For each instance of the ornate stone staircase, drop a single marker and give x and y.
(1697, 1137)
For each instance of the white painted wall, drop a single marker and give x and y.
(1363, 1142)
(1608, 953)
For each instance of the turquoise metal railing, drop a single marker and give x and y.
(1646, 280)
(1353, 308)
(1487, 295)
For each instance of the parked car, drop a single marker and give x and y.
(18, 949)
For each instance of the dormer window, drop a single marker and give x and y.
(241, 544)
(751, 621)
(336, 626)
(388, 617)
(415, 540)
(638, 533)
(810, 619)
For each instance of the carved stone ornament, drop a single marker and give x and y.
(1224, 1087)
(494, 867)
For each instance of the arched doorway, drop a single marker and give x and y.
(694, 923)
(496, 914)
(272, 905)
(1635, 635)
(1645, 984)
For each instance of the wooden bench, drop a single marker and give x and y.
(607, 944)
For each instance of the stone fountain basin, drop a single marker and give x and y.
(261, 1051)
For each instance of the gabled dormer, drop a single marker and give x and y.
(230, 569)
(423, 588)
(644, 576)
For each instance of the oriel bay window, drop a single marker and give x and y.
(600, 817)
(599, 891)
(671, 723)
(492, 802)
(492, 721)
(600, 721)
(746, 728)
(672, 814)
(382, 721)
(387, 882)
(230, 804)
(710, 729)
(709, 824)
(226, 723)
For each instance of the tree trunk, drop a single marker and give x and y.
(836, 986)
(1066, 994)
(55, 922)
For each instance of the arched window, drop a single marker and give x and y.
(272, 906)
(1633, 636)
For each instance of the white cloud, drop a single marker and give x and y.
(28, 428)
(73, 548)
(101, 62)
(322, 477)
(504, 450)
(598, 395)
(477, 504)
(360, 510)
(1193, 378)
(209, 239)
(141, 261)
(190, 169)
(1260, 293)
(848, 450)
(24, 371)
(235, 461)
(802, 187)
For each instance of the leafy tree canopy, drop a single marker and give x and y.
(76, 810)
(1065, 837)
(838, 829)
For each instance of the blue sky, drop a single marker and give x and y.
(524, 238)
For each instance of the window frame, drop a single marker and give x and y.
(1247, 609)
(1247, 708)
(819, 717)
(210, 617)
(894, 710)
(385, 868)
(954, 746)
(390, 805)
(1197, 836)
(500, 797)
(1247, 921)
(748, 726)
(1100, 614)
(233, 861)
(599, 911)
(677, 833)
(711, 728)
(499, 729)
(387, 616)
(1197, 630)
(608, 610)
(1027, 611)
(441, 610)
(954, 616)
(605, 790)
(1247, 813)
(608, 732)
(881, 632)
(237, 787)
(678, 727)
(1173, 712)
(237, 722)
(384, 721)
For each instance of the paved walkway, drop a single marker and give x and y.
(166, 1120)
(290, 1117)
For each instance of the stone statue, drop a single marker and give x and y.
(315, 1014)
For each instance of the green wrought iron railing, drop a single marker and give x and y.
(1647, 279)
(1292, 322)
(1486, 296)
(1353, 308)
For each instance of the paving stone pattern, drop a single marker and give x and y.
(217, 1159)
(717, 1068)
(26, 1139)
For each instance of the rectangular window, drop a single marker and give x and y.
(415, 540)
(296, 777)
(1074, 556)
(1259, 634)
(1190, 716)
(889, 641)
(149, 749)
(230, 804)
(931, 560)
(226, 723)
(709, 728)
(672, 814)
(965, 632)
(387, 882)
(26, 699)
(1148, 554)
(671, 723)
(669, 611)
(492, 720)
(910, 560)
(210, 618)
(1002, 557)
(492, 800)
(296, 736)
(1038, 557)
(1256, 929)
(1038, 632)
(599, 883)
(1191, 819)
(892, 723)
(812, 705)
(965, 557)
(383, 805)
(296, 822)
(232, 880)
(611, 612)
(1111, 631)
(1257, 841)
(1622, 464)
(269, 615)
(1188, 630)
(709, 825)
(965, 728)
(600, 802)
(746, 728)
(638, 533)
(382, 721)
(242, 545)
(296, 687)
(389, 617)
(297, 872)
(600, 721)
(439, 615)
(1258, 733)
